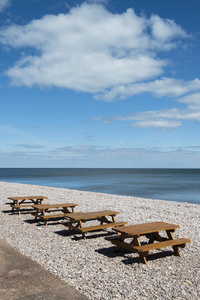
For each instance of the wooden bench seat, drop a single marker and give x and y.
(143, 250)
(102, 226)
(18, 207)
(47, 217)
(52, 216)
(176, 242)
(22, 205)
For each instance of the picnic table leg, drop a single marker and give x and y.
(143, 255)
(36, 214)
(15, 202)
(81, 226)
(175, 248)
(43, 213)
(70, 225)
(121, 239)
(18, 209)
(13, 205)
(113, 219)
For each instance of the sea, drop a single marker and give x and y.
(181, 185)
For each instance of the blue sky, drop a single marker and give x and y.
(100, 83)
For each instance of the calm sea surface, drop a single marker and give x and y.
(165, 184)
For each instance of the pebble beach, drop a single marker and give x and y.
(90, 265)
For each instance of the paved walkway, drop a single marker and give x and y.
(23, 279)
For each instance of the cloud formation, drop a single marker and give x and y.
(93, 50)
(164, 87)
(165, 119)
(4, 4)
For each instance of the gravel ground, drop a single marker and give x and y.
(91, 266)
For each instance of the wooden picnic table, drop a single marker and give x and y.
(44, 210)
(77, 220)
(152, 233)
(25, 201)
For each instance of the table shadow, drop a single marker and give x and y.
(42, 224)
(150, 257)
(8, 211)
(22, 212)
(109, 252)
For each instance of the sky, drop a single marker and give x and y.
(100, 84)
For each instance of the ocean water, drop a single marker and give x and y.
(164, 184)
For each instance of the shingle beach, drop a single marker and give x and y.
(90, 265)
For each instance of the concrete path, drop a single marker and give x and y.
(24, 279)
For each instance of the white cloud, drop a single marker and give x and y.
(158, 124)
(169, 87)
(193, 101)
(91, 50)
(165, 119)
(165, 30)
(4, 4)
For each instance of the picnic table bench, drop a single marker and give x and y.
(151, 231)
(77, 220)
(25, 202)
(44, 211)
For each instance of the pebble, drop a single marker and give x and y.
(90, 265)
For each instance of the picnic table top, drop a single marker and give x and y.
(46, 206)
(27, 197)
(145, 228)
(90, 215)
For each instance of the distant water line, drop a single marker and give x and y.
(164, 184)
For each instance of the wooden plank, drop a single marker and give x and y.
(46, 217)
(90, 215)
(145, 228)
(91, 228)
(21, 206)
(18, 207)
(47, 206)
(27, 198)
(176, 242)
